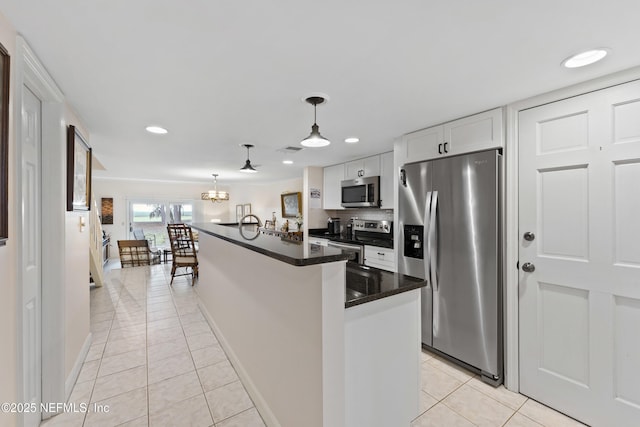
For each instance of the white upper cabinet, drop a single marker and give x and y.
(369, 166)
(479, 132)
(333, 176)
(421, 145)
(386, 180)
(474, 133)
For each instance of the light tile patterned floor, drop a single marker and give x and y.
(154, 361)
(453, 397)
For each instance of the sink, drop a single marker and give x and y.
(351, 294)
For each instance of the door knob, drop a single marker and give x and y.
(527, 267)
(529, 236)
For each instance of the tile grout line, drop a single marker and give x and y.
(95, 380)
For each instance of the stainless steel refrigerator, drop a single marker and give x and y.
(450, 235)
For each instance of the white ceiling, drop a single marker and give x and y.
(219, 73)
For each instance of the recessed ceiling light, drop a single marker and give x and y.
(585, 58)
(156, 129)
(287, 162)
(351, 140)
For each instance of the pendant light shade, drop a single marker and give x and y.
(215, 195)
(247, 166)
(315, 139)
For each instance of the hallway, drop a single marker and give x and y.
(154, 360)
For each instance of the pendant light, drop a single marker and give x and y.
(247, 166)
(314, 139)
(215, 195)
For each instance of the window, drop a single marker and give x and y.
(150, 219)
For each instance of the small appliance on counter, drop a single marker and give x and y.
(333, 225)
(349, 229)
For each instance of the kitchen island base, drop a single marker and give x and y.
(300, 354)
(282, 327)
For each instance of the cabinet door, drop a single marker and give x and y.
(333, 176)
(354, 169)
(421, 145)
(479, 132)
(386, 180)
(369, 166)
(382, 258)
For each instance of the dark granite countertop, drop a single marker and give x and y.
(343, 238)
(366, 284)
(294, 253)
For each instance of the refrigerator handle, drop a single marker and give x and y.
(433, 241)
(425, 238)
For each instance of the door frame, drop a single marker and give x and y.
(30, 72)
(511, 295)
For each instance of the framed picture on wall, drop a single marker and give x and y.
(78, 171)
(107, 210)
(239, 213)
(4, 145)
(291, 204)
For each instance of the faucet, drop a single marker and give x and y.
(249, 215)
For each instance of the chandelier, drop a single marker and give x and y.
(215, 195)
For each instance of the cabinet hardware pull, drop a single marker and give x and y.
(440, 148)
(445, 147)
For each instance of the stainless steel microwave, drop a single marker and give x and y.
(361, 192)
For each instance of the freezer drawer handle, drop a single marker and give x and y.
(527, 267)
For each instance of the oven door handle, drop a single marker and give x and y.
(345, 246)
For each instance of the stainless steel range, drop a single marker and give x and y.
(373, 232)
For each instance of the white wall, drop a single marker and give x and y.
(122, 191)
(264, 198)
(315, 217)
(76, 250)
(75, 258)
(8, 337)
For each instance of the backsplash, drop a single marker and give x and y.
(363, 213)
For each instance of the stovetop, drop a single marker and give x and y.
(364, 238)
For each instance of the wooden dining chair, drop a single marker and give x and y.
(183, 251)
(134, 253)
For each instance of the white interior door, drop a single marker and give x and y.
(579, 194)
(31, 253)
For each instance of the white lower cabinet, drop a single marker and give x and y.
(318, 241)
(382, 258)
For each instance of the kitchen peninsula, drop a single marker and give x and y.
(307, 356)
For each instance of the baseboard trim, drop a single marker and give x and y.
(77, 366)
(261, 404)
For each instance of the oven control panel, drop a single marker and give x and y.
(385, 227)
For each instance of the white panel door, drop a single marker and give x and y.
(579, 195)
(31, 259)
